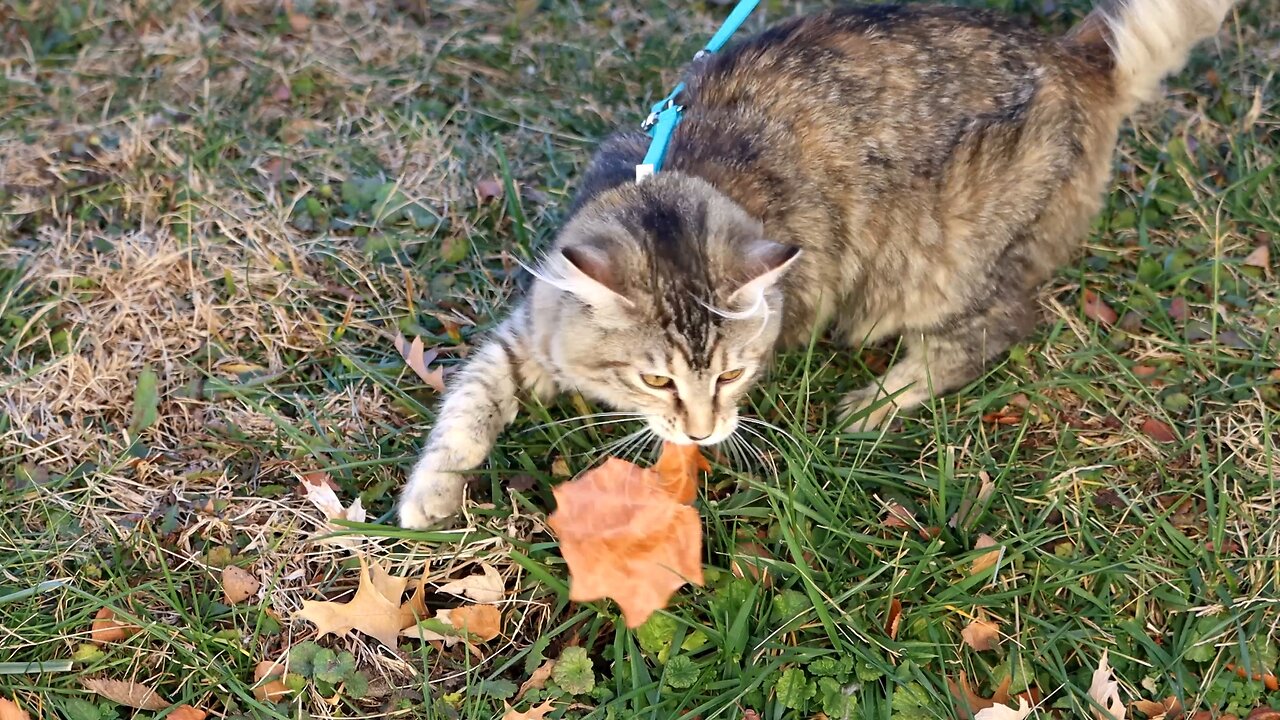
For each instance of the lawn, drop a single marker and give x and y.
(216, 217)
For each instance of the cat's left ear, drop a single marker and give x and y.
(761, 267)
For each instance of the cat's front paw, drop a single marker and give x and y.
(428, 497)
(865, 409)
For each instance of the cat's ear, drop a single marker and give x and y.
(589, 273)
(761, 266)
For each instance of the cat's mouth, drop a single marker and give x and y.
(665, 429)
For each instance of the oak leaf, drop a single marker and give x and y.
(9, 710)
(1259, 257)
(1104, 689)
(1158, 430)
(418, 359)
(981, 634)
(370, 611)
(106, 629)
(537, 712)
(126, 692)
(482, 622)
(624, 536)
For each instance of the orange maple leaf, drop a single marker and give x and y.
(628, 534)
(677, 470)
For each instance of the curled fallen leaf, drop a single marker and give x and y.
(1095, 308)
(320, 490)
(126, 692)
(186, 712)
(964, 693)
(267, 683)
(625, 537)
(480, 622)
(418, 360)
(986, 559)
(981, 634)
(485, 587)
(969, 502)
(1104, 690)
(894, 621)
(678, 468)
(537, 712)
(107, 629)
(1168, 709)
(9, 710)
(238, 584)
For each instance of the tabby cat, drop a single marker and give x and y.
(876, 171)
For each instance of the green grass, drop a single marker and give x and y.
(252, 211)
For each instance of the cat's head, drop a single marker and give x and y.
(662, 298)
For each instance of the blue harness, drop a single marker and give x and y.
(666, 114)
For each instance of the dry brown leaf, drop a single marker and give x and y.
(415, 608)
(106, 629)
(898, 516)
(981, 634)
(538, 679)
(987, 559)
(268, 686)
(1104, 689)
(1264, 713)
(1158, 430)
(388, 585)
(418, 360)
(369, 612)
(238, 584)
(485, 587)
(186, 712)
(1095, 308)
(9, 710)
(894, 621)
(623, 537)
(1004, 712)
(126, 692)
(678, 468)
(1260, 257)
(488, 189)
(537, 712)
(1168, 709)
(964, 693)
(480, 622)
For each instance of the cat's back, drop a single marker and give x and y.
(913, 68)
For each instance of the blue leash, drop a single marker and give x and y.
(666, 114)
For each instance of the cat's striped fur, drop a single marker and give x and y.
(883, 171)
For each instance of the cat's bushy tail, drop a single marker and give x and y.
(1150, 39)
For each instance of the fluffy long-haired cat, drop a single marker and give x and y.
(881, 171)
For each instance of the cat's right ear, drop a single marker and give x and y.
(588, 272)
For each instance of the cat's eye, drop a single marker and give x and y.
(730, 376)
(660, 382)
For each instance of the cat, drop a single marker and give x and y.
(875, 171)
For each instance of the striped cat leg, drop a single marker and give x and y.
(480, 402)
(940, 360)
